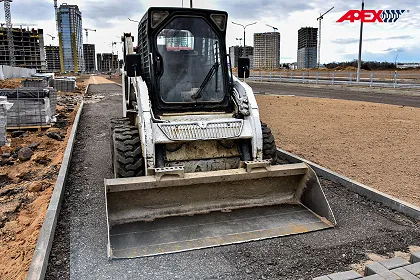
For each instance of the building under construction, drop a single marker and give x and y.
(267, 50)
(107, 62)
(89, 56)
(28, 48)
(52, 54)
(307, 47)
(236, 52)
(70, 35)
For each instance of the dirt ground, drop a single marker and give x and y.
(11, 83)
(26, 186)
(375, 144)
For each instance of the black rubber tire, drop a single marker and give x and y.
(115, 122)
(118, 121)
(269, 144)
(127, 157)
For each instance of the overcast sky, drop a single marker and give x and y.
(382, 41)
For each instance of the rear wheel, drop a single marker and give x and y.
(127, 155)
(269, 144)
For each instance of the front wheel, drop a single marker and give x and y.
(127, 154)
(269, 144)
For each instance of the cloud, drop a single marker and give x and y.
(404, 54)
(258, 9)
(354, 40)
(103, 14)
(28, 11)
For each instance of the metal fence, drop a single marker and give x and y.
(370, 79)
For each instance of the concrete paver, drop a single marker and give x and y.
(374, 268)
(394, 263)
(404, 274)
(391, 269)
(372, 277)
(346, 275)
(415, 257)
(413, 269)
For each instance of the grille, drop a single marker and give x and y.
(202, 130)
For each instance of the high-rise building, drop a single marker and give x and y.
(89, 56)
(52, 54)
(107, 62)
(307, 47)
(267, 50)
(236, 52)
(70, 35)
(28, 45)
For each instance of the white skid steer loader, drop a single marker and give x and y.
(194, 166)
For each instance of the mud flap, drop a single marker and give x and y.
(154, 215)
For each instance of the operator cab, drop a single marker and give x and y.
(182, 53)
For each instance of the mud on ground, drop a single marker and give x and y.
(26, 186)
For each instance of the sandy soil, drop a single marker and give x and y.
(100, 80)
(375, 144)
(11, 83)
(26, 188)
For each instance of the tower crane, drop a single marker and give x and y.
(87, 33)
(274, 28)
(52, 37)
(8, 17)
(56, 14)
(19, 24)
(321, 17)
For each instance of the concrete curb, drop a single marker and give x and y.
(374, 195)
(46, 235)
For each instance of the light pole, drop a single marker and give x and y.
(244, 27)
(359, 60)
(321, 17)
(240, 44)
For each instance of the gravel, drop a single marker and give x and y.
(79, 248)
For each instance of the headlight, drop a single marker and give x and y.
(219, 20)
(158, 17)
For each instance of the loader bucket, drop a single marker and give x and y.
(155, 215)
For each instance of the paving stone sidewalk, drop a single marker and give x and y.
(391, 269)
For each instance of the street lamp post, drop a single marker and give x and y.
(244, 27)
(359, 60)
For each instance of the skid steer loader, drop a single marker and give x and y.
(194, 166)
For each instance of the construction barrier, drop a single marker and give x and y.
(8, 72)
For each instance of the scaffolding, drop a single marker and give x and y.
(29, 48)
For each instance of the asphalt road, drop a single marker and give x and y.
(337, 92)
(79, 248)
